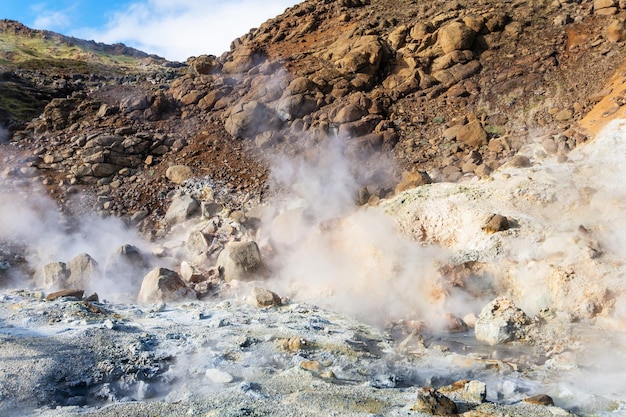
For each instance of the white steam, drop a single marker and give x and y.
(31, 222)
(331, 252)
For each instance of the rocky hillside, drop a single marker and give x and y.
(451, 90)
(37, 66)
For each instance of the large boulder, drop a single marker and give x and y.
(456, 36)
(178, 173)
(162, 284)
(204, 64)
(349, 113)
(363, 54)
(501, 321)
(242, 59)
(412, 179)
(83, 269)
(296, 106)
(54, 275)
(472, 134)
(240, 261)
(181, 208)
(249, 119)
(134, 102)
(432, 402)
(124, 266)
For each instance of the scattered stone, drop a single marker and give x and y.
(540, 399)
(313, 366)
(472, 134)
(431, 401)
(616, 31)
(496, 223)
(197, 243)
(240, 261)
(292, 344)
(412, 179)
(563, 115)
(327, 374)
(603, 4)
(134, 102)
(217, 376)
(181, 209)
(94, 309)
(162, 284)
(208, 210)
(475, 391)
(501, 321)
(519, 161)
(456, 36)
(265, 298)
(65, 293)
(179, 173)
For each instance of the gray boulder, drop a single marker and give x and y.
(135, 102)
(240, 261)
(124, 266)
(83, 269)
(250, 119)
(162, 284)
(54, 275)
(181, 209)
(501, 321)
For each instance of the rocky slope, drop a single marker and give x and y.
(453, 90)
(417, 166)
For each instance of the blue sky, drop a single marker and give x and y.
(174, 29)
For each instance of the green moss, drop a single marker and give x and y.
(42, 53)
(495, 131)
(17, 104)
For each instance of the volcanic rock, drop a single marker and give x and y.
(217, 376)
(265, 298)
(178, 173)
(83, 269)
(475, 391)
(540, 399)
(124, 265)
(182, 208)
(240, 261)
(501, 321)
(412, 179)
(250, 119)
(65, 293)
(616, 31)
(162, 284)
(431, 401)
(472, 134)
(496, 223)
(456, 36)
(54, 275)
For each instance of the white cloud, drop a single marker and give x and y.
(50, 19)
(177, 30)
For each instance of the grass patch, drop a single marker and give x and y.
(47, 52)
(495, 131)
(17, 103)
